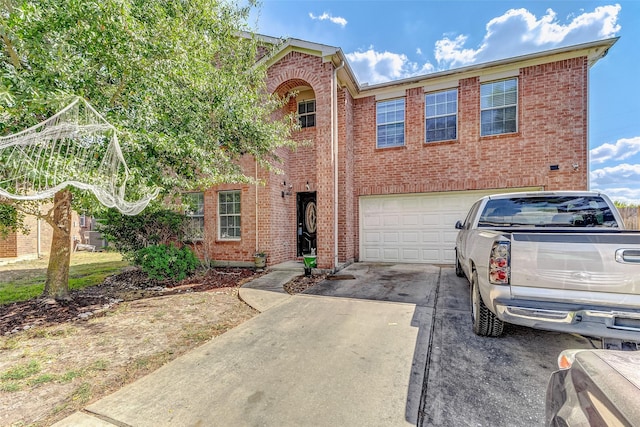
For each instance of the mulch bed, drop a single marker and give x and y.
(302, 283)
(131, 284)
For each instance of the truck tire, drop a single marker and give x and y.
(459, 270)
(485, 323)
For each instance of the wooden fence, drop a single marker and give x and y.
(631, 217)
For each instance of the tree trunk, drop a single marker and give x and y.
(57, 284)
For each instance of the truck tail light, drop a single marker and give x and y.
(499, 263)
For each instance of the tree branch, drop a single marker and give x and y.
(118, 91)
(15, 60)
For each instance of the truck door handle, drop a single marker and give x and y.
(625, 256)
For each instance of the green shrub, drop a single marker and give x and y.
(162, 262)
(153, 226)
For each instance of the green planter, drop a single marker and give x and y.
(260, 261)
(310, 261)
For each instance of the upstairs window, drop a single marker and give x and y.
(194, 210)
(441, 112)
(229, 215)
(499, 107)
(390, 123)
(307, 113)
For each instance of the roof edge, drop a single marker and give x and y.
(599, 50)
(594, 50)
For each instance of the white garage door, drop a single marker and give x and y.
(414, 228)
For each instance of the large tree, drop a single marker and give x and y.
(177, 78)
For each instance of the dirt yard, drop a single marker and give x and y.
(57, 358)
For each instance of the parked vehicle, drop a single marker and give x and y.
(558, 261)
(594, 388)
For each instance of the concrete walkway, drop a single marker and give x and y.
(306, 360)
(267, 291)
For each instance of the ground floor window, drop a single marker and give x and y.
(229, 215)
(194, 210)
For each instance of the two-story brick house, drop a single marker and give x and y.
(387, 169)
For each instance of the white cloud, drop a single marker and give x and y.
(514, 33)
(377, 67)
(620, 182)
(621, 150)
(453, 53)
(327, 17)
(621, 175)
(519, 32)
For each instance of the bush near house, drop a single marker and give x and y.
(163, 262)
(153, 226)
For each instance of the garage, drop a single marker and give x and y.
(415, 228)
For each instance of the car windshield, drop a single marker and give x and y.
(548, 211)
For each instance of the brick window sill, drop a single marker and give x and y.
(438, 143)
(501, 136)
(401, 147)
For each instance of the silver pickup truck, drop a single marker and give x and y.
(558, 261)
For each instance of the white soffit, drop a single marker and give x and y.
(441, 86)
(391, 95)
(499, 76)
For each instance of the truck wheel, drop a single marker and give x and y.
(485, 323)
(459, 271)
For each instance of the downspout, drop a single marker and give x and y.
(257, 224)
(334, 146)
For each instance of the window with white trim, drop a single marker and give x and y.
(307, 113)
(229, 215)
(499, 107)
(441, 113)
(390, 123)
(194, 210)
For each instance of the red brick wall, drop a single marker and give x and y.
(213, 248)
(552, 121)
(311, 162)
(347, 211)
(552, 130)
(8, 246)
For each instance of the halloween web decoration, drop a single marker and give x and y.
(77, 147)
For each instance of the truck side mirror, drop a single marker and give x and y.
(459, 225)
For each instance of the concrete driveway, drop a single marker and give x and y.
(480, 381)
(343, 358)
(387, 345)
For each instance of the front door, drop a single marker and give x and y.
(307, 217)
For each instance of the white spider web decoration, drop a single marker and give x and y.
(77, 147)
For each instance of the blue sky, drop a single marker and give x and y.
(390, 40)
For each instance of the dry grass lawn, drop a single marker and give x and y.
(48, 372)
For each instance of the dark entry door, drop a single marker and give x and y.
(307, 216)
